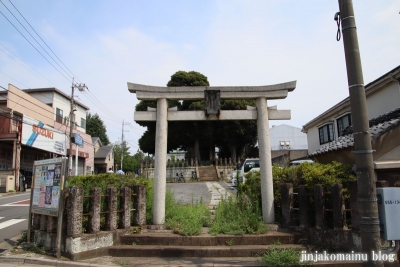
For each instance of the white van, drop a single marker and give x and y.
(245, 167)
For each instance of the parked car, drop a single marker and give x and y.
(248, 165)
(298, 162)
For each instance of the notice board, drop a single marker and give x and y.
(48, 181)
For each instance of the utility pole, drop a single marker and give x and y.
(122, 142)
(367, 199)
(80, 87)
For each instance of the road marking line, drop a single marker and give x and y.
(15, 195)
(17, 203)
(10, 222)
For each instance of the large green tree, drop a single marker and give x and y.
(201, 137)
(96, 128)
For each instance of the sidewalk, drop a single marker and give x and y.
(14, 193)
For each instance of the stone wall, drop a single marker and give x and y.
(78, 242)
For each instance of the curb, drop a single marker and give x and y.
(46, 262)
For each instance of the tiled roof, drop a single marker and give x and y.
(378, 126)
(95, 139)
(103, 152)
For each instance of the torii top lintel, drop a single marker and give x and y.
(275, 91)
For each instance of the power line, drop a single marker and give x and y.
(53, 100)
(32, 70)
(34, 46)
(104, 107)
(33, 37)
(43, 41)
(24, 106)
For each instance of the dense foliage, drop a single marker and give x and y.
(130, 163)
(303, 174)
(237, 216)
(95, 127)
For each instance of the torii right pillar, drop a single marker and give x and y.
(264, 146)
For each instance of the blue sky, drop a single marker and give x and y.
(106, 44)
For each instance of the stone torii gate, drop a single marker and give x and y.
(212, 95)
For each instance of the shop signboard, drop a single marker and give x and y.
(37, 134)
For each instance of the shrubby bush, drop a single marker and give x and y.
(304, 174)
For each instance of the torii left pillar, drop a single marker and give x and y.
(160, 167)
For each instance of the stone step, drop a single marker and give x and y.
(223, 250)
(166, 239)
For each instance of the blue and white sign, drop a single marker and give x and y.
(36, 134)
(78, 140)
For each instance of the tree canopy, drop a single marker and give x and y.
(96, 128)
(129, 163)
(200, 138)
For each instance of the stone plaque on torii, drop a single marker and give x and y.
(212, 95)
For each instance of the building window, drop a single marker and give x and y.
(284, 144)
(59, 115)
(326, 134)
(16, 119)
(343, 123)
(83, 123)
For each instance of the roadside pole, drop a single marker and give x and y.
(370, 231)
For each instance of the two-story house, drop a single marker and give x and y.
(103, 157)
(34, 125)
(330, 135)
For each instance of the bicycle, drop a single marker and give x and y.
(180, 178)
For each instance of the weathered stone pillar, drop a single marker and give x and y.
(304, 203)
(139, 204)
(51, 224)
(94, 209)
(75, 211)
(354, 206)
(43, 222)
(339, 215)
(125, 202)
(319, 206)
(160, 170)
(111, 216)
(287, 203)
(36, 221)
(267, 190)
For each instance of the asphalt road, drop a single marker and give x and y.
(14, 211)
